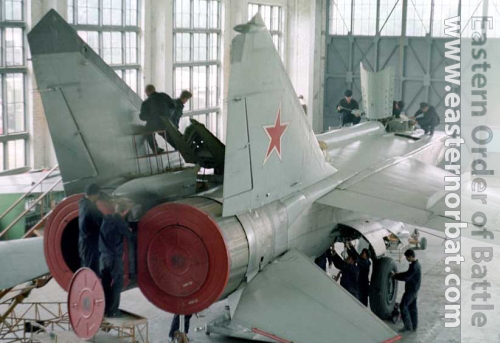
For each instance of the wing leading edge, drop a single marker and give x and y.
(412, 192)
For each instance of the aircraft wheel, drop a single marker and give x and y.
(423, 243)
(383, 289)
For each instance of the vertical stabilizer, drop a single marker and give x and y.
(90, 111)
(271, 151)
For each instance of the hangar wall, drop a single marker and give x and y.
(412, 44)
(419, 66)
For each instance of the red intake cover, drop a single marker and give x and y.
(61, 216)
(85, 303)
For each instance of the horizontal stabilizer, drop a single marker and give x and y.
(292, 300)
(21, 260)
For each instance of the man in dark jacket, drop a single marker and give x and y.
(364, 264)
(397, 108)
(345, 107)
(176, 112)
(427, 118)
(153, 109)
(114, 230)
(89, 223)
(350, 271)
(325, 259)
(408, 306)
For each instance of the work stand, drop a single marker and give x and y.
(49, 323)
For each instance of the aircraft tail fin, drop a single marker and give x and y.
(90, 111)
(271, 150)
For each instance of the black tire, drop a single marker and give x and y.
(423, 243)
(383, 288)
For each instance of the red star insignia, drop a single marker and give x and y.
(275, 132)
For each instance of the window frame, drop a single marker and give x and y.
(281, 23)
(5, 70)
(192, 63)
(381, 22)
(72, 10)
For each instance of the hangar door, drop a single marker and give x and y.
(406, 35)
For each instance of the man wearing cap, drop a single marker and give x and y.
(427, 118)
(397, 108)
(89, 223)
(345, 107)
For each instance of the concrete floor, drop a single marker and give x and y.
(431, 305)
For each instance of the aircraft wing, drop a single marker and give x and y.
(292, 300)
(21, 260)
(412, 192)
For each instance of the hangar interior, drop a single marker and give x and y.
(185, 44)
(181, 45)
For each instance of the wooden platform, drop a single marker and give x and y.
(70, 337)
(126, 320)
(127, 328)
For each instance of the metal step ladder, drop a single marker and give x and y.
(35, 230)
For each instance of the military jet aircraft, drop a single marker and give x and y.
(282, 202)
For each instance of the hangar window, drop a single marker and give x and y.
(365, 17)
(111, 29)
(443, 9)
(13, 128)
(340, 17)
(418, 18)
(391, 17)
(273, 17)
(469, 9)
(359, 17)
(494, 12)
(197, 60)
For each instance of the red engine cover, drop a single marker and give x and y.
(183, 262)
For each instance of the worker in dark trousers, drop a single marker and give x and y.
(427, 118)
(408, 306)
(89, 224)
(364, 264)
(345, 107)
(397, 108)
(349, 269)
(153, 109)
(114, 230)
(174, 326)
(176, 112)
(325, 259)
